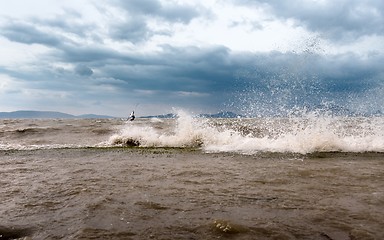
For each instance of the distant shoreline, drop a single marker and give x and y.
(26, 114)
(29, 114)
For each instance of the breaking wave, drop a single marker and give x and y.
(305, 134)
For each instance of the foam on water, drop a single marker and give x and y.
(307, 134)
(303, 134)
(188, 132)
(7, 146)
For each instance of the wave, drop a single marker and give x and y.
(31, 134)
(305, 134)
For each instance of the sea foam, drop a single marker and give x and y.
(305, 134)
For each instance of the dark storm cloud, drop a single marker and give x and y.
(53, 31)
(349, 73)
(134, 27)
(70, 22)
(170, 12)
(294, 78)
(343, 20)
(80, 54)
(213, 76)
(141, 6)
(28, 34)
(178, 69)
(134, 30)
(50, 32)
(207, 75)
(278, 83)
(83, 70)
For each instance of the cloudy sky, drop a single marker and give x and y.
(248, 56)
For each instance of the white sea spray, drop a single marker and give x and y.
(311, 133)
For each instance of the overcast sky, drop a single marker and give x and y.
(248, 56)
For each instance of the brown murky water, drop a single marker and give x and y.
(170, 193)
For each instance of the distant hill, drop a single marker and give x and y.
(46, 114)
(52, 114)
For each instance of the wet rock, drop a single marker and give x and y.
(132, 143)
(7, 233)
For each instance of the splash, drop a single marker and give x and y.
(278, 83)
(303, 134)
(188, 132)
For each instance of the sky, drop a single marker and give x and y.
(253, 57)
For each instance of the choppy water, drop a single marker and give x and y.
(279, 178)
(303, 135)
